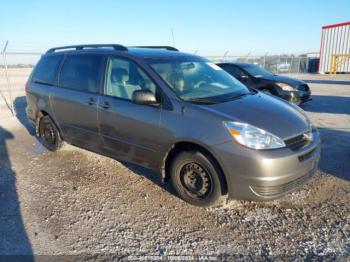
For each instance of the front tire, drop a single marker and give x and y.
(49, 134)
(196, 178)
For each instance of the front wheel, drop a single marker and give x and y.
(196, 178)
(49, 134)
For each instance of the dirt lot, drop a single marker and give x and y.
(75, 202)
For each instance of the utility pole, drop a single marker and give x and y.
(8, 78)
(172, 34)
(225, 55)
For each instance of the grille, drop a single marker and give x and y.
(273, 191)
(303, 87)
(296, 142)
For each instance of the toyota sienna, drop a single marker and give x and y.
(176, 113)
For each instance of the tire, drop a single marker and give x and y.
(266, 91)
(196, 178)
(49, 134)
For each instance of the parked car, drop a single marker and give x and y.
(176, 113)
(254, 76)
(283, 67)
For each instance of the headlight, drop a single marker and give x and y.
(253, 137)
(285, 87)
(309, 135)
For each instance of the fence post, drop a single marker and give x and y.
(225, 54)
(278, 64)
(8, 78)
(265, 59)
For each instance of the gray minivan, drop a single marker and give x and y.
(175, 113)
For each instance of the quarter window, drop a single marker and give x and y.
(81, 72)
(46, 70)
(125, 77)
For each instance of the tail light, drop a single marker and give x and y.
(27, 86)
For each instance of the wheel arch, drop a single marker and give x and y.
(187, 146)
(39, 115)
(271, 88)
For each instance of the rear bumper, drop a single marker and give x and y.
(30, 116)
(270, 174)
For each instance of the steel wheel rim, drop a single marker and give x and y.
(195, 180)
(49, 134)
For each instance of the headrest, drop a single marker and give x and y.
(119, 75)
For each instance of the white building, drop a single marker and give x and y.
(335, 39)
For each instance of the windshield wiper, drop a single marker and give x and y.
(239, 96)
(218, 100)
(202, 101)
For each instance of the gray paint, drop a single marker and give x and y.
(144, 134)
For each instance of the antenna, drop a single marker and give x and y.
(172, 34)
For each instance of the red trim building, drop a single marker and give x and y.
(335, 39)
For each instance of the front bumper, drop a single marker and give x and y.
(269, 174)
(296, 97)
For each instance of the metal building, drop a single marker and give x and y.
(335, 49)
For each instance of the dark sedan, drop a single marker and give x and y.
(256, 77)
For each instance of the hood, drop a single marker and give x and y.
(284, 79)
(266, 112)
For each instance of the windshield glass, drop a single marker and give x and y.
(194, 78)
(256, 71)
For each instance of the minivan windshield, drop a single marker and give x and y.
(197, 80)
(257, 71)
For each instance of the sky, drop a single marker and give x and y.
(208, 27)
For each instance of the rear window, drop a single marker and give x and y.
(46, 70)
(81, 73)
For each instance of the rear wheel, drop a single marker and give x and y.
(49, 134)
(196, 178)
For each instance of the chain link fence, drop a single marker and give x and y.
(16, 66)
(277, 64)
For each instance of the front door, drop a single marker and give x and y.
(131, 132)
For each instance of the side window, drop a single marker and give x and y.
(235, 72)
(81, 72)
(46, 70)
(124, 77)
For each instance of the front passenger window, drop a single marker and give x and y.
(125, 77)
(236, 72)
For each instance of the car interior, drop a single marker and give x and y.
(124, 78)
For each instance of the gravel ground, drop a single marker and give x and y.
(75, 202)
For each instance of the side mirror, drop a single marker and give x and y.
(144, 97)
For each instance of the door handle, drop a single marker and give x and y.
(92, 102)
(105, 105)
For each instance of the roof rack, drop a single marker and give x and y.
(81, 47)
(158, 47)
